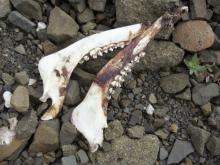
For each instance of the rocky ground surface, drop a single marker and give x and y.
(167, 112)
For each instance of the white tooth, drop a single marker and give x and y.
(106, 51)
(86, 58)
(92, 52)
(108, 97)
(122, 46)
(100, 53)
(111, 49)
(95, 56)
(118, 84)
(121, 79)
(142, 54)
(136, 59)
(110, 90)
(114, 83)
(117, 77)
(123, 73)
(129, 65)
(127, 68)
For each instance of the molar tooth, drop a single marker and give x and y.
(142, 54)
(95, 56)
(123, 73)
(100, 53)
(86, 58)
(137, 59)
(110, 90)
(82, 61)
(111, 49)
(105, 50)
(114, 83)
(118, 84)
(117, 77)
(121, 79)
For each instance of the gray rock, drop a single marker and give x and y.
(68, 133)
(27, 125)
(185, 95)
(161, 54)
(202, 93)
(86, 16)
(161, 111)
(66, 26)
(78, 5)
(69, 160)
(136, 118)
(8, 79)
(214, 2)
(94, 66)
(20, 99)
(213, 145)
(128, 151)
(22, 77)
(199, 138)
(162, 134)
(114, 130)
(84, 77)
(136, 132)
(179, 151)
(174, 83)
(88, 26)
(163, 153)
(82, 156)
(130, 11)
(73, 93)
(164, 34)
(29, 8)
(69, 150)
(20, 49)
(5, 8)
(97, 5)
(20, 21)
(46, 138)
(198, 9)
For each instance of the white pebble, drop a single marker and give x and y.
(7, 98)
(150, 109)
(41, 26)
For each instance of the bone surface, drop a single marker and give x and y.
(56, 69)
(89, 116)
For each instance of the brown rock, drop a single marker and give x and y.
(48, 47)
(194, 35)
(46, 138)
(8, 150)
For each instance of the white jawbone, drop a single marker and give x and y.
(69, 57)
(89, 117)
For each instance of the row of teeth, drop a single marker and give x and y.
(94, 53)
(123, 73)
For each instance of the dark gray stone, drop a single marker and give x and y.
(5, 8)
(27, 125)
(73, 93)
(114, 130)
(136, 118)
(69, 160)
(202, 93)
(175, 83)
(29, 8)
(130, 11)
(20, 21)
(163, 153)
(68, 133)
(198, 9)
(213, 145)
(199, 138)
(179, 151)
(78, 5)
(214, 2)
(83, 157)
(97, 5)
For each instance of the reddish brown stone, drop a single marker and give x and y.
(194, 35)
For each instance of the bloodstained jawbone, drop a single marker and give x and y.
(89, 116)
(56, 69)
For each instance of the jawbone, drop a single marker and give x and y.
(89, 117)
(56, 69)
